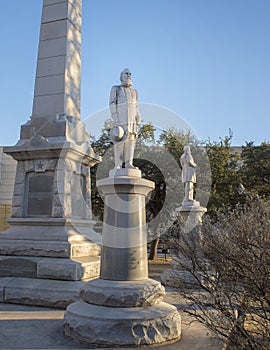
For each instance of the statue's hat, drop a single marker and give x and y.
(118, 134)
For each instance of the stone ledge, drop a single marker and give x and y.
(67, 269)
(4, 281)
(53, 249)
(131, 172)
(51, 222)
(123, 293)
(18, 266)
(35, 248)
(43, 292)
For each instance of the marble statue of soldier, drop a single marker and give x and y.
(188, 174)
(125, 120)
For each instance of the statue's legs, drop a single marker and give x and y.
(124, 152)
(129, 151)
(189, 188)
(118, 155)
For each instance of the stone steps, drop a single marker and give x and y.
(81, 249)
(83, 268)
(44, 292)
(79, 268)
(54, 249)
(46, 264)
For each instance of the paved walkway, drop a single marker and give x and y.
(30, 327)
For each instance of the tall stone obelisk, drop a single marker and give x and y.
(48, 249)
(57, 86)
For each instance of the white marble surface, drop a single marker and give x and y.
(125, 113)
(188, 174)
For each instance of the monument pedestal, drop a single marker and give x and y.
(54, 248)
(123, 307)
(192, 214)
(178, 275)
(51, 236)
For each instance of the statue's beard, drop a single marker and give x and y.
(127, 83)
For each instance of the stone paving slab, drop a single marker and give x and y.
(33, 327)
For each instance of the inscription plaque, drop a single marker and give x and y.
(40, 194)
(78, 196)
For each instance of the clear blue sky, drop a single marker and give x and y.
(207, 60)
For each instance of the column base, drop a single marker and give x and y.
(123, 293)
(122, 313)
(113, 326)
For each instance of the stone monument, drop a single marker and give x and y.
(190, 208)
(47, 251)
(123, 307)
(192, 213)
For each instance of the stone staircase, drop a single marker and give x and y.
(48, 267)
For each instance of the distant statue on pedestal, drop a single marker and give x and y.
(188, 175)
(125, 120)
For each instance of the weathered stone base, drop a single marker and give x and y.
(43, 261)
(122, 313)
(110, 326)
(43, 292)
(54, 248)
(76, 269)
(123, 293)
(50, 237)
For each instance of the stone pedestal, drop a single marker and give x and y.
(123, 307)
(51, 232)
(178, 275)
(192, 212)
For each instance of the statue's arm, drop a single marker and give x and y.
(113, 101)
(191, 162)
(138, 116)
(187, 160)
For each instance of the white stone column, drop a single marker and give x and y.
(124, 237)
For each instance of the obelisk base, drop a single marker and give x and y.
(50, 247)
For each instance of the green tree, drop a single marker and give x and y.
(255, 169)
(226, 177)
(104, 147)
(170, 141)
(174, 140)
(150, 154)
